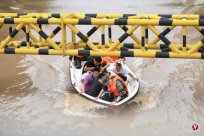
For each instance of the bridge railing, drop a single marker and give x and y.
(136, 27)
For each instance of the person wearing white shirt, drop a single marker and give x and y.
(122, 72)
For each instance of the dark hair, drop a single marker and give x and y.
(118, 64)
(96, 69)
(97, 59)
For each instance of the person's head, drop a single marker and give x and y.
(96, 72)
(118, 66)
(97, 60)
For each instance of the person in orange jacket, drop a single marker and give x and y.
(116, 89)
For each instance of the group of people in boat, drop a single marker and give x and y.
(109, 85)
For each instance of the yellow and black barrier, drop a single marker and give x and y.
(136, 27)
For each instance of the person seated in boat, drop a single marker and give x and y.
(93, 62)
(122, 72)
(116, 90)
(77, 60)
(89, 80)
(99, 84)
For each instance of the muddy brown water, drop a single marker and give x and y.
(37, 99)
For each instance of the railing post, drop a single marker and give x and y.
(184, 32)
(27, 36)
(109, 34)
(63, 38)
(103, 35)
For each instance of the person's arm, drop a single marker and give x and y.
(83, 89)
(86, 68)
(102, 91)
(121, 94)
(122, 59)
(103, 68)
(99, 95)
(118, 99)
(131, 75)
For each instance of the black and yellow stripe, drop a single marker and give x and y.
(184, 32)
(93, 30)
(109, 34)
(163, 21)
(164, 33)
(125, 28)
(28, 36)
(83, 37)
(143, 37)
(200, 29)
(45, 36)
(90, 32)
(55, 31)
(146, 35)
(103, 35)
(46, 45)
(41, 51)
(122, 38)
(11, 35)
(10, 29)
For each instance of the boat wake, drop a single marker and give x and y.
(52, 79)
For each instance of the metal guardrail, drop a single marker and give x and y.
(142, 46)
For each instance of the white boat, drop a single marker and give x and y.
(76, 76)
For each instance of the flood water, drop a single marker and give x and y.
(37, 99)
